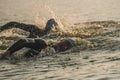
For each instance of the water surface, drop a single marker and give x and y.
(72, 10)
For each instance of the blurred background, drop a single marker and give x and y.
(32, 11)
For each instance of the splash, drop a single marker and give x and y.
(62, 23)
(40, 22)
(14, 32)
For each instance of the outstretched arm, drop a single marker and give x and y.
(33, 29)
(36, 44)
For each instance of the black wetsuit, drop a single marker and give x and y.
(35, 45)
(34, 30)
